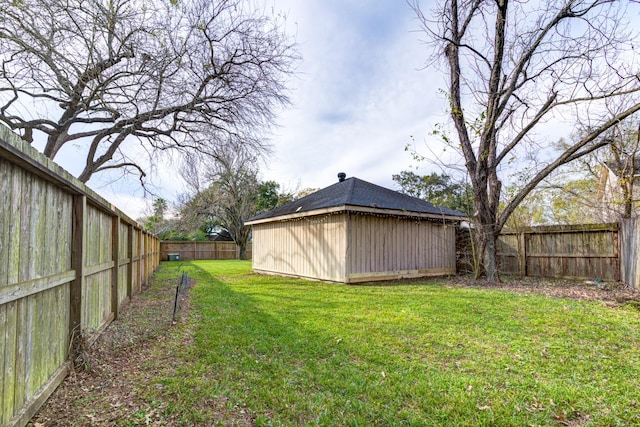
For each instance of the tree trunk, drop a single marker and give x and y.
(627, 191)
(242, 249)
(490, 255)
(485, 200)
(486, 253)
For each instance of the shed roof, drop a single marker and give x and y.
(354, 194)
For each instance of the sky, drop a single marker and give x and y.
(360, 94)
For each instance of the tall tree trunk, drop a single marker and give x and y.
(487, 236)
(241, 239)
(627, 194)
(490, 253)
(242, 249)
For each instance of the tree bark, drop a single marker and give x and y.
(508, 73)
(242, 250)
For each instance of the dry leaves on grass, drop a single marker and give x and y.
(612, 294)
(108, 392)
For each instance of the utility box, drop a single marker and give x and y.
(174, 257)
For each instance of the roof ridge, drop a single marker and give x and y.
(351, 189)
(357, 192)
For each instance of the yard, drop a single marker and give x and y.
(260, 350)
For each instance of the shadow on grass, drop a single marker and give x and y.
(292, 352)
(284, 358)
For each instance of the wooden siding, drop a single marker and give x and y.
(189, 251)
(574, 252)
(384, 248)
(65, 265)
(312, 247)
(354, 248)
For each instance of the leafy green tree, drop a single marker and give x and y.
(152, 222)
(268, 196)
(575, 202)
(159, 207)
(437, 189)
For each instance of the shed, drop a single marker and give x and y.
(355, 231)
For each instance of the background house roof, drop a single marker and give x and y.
(356, 192)
(620, 168)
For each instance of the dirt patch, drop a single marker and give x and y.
(612, 294)
(109, 388)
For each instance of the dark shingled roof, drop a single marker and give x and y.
(356, 192)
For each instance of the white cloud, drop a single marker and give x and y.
(359, 97)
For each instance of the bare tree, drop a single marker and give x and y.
(600, 186)
(124, 77)
(514, 66)
(624, 161)
(225, 194)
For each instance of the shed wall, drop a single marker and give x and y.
(383, 248)
(312, 247)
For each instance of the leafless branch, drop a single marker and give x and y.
(183, 75)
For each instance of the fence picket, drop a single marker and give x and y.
(189, 251)
(46, 260)
(585, 251)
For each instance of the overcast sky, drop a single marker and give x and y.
(359, 96)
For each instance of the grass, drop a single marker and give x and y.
(278, 351)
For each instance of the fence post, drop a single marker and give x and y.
(140, 264)
(77, 263)
(115, 256)
(522, 243)
(130, 256)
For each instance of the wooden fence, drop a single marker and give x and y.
(188, 251)
(588, 251)
(69, 260)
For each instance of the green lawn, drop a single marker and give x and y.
(280, 351)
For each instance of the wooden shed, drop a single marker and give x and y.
(354, 231)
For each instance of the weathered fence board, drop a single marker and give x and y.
(67, 262)
(588, 251)
(629, 253)
(189, 251)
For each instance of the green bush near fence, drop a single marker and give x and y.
(276, 351)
